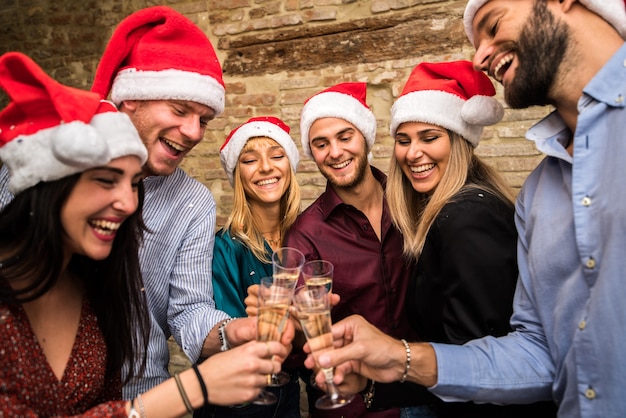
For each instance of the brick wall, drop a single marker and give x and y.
(276, 53)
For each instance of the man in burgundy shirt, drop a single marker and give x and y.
(349, 224)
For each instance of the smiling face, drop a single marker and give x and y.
(422, 152)
(264, 170)
(522, 45)
(339, 150)
(169, 129)
(101, 200)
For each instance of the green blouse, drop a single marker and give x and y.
(235, 268)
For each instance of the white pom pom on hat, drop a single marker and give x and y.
(159, 54)
(613, 11)
(49, 131)
(452, 95)
(345, 101)
(257, 127)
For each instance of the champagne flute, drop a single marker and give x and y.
(313, 308)
(318, 273)
(274, 300)
(287, 264)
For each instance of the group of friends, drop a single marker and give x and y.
(453, 297)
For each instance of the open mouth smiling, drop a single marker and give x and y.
(173, 147)
(502, 66)
(341, 165)
(421, 169)
(103, 227)
(267, 182)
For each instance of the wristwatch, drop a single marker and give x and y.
(222, 334)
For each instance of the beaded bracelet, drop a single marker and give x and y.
(142, 409)
(205, 392)
(407, 365)
(183, 394)
(368, 393)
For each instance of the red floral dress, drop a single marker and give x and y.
(29, 387)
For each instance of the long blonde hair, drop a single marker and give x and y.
(242, 223)
(413, 213)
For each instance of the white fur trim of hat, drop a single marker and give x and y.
(229, 154)
(613, 11)
(333, 104)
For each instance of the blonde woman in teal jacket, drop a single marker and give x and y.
(260, 160)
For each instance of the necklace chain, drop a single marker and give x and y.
(272, 242)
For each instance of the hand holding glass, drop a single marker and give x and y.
(313, 308)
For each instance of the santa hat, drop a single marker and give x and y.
(50, 131)
(159, 54)
(262, 126)
(448, 94)
(613, 11)
(344, 101)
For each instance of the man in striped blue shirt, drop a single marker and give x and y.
(162, 71)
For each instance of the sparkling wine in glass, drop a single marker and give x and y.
(318, 273)
(273, 304)
(287, 264)
(313, 308)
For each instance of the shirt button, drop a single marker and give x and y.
(586, 201)
(590, 394)
(619, 99)
(582, 324)
(591, 263)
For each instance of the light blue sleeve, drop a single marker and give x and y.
(191, 310)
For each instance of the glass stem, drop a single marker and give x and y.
(330, 385)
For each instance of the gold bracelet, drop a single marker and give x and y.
(183, 394)
(407, 365)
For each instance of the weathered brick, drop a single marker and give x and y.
(228, 4)
(318, 15)
(254, 100)
(298, 83)
(67, 37)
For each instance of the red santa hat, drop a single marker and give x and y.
(448, 94)
(344, 101)
(262, 126)
(613, 11)
(159, 54)
(50, 131)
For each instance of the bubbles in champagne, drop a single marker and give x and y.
(270, 322)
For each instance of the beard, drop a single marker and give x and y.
(359, 174)
(541, 49)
